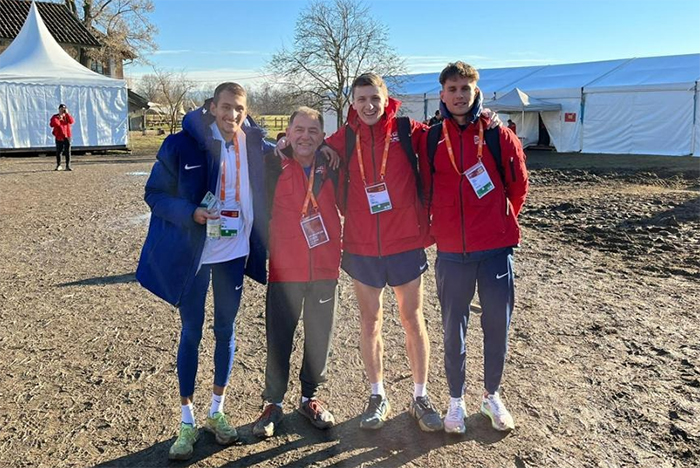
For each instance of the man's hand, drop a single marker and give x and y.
(495, 120)
(331, 155)
(201, 215)
(281, 144)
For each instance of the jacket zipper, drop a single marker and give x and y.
(374, 169)
(461, 199)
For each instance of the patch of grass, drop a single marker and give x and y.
(145, 145)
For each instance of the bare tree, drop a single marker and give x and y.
(122, 26)
(335, 42)
(174, 89)
(148, 86)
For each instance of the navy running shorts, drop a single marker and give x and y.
(393, 270)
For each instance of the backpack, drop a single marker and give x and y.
(493, 142)
(403, 127)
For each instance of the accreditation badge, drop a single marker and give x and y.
(230, 222)
(314, 230)
(480, 180)
(378, 198)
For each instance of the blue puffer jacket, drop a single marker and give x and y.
(187, 167)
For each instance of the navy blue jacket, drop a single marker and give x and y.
(187, 167)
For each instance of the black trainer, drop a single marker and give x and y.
(429, 419)
(269, 421)
(376, 412)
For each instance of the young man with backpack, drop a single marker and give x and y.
(476, 181)
(385, 231)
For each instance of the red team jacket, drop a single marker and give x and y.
(291, 259)
(61, 129)
(405, 226)
(461, 222)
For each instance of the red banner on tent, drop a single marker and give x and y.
(570, 117)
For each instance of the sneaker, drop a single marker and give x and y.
(376, 413)
(58, 168)
(454, 419)
(429, 419)
(218, 425)
(269, 421)
(493, 408)
(314, 411)
(184, 444)
(68, 168)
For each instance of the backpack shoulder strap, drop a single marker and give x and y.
(403, 128)
(433, 137)
(493, 141)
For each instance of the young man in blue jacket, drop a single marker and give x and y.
(207, 198)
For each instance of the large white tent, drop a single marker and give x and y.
(36, 75)
(629, 106)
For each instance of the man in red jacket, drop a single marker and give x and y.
(304, 266)
(61, 123)
(385, 230)
(474, 207)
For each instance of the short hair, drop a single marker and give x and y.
(437, 112)
(369, 79)
(458, 69)
(231, 87)
(309, 112)
(61, 106)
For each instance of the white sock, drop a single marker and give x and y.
(217, 404)
(188, 414)
(456, 401)
(419, 390)
(378, 388)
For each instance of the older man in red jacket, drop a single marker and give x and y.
(61, 123)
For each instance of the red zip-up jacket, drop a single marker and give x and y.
(291, 259)
(460, 221)
(405, 226)
(61, 128)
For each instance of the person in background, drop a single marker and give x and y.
(512, 127)
(61, 124)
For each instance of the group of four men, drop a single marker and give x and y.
(463, 190)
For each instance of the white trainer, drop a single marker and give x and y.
(493, 408)
(454, 419)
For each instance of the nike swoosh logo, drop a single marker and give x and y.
(322, 301)
(239, 287)
(502, 276)
(187, 167)
(424, 266)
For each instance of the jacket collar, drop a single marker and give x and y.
(474, 112)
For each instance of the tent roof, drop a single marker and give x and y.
(35, 57)
(62, 25)
(517, 100)
(677, 71)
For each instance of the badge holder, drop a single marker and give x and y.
(479, 179)
(378, 198)
(314, 230)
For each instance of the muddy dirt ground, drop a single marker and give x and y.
(603, 368)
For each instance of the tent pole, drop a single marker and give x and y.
(694, 136)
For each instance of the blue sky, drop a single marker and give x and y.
(217, 40)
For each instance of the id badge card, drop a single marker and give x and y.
(480, 180)
(209, 201)
(314, 230)
(230, 223)
(378, 198)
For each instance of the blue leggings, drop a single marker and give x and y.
(458, 277)
(227, 281)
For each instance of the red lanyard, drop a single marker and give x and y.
(309, 193)
(238, 173)
(385, 156)
(479, 150)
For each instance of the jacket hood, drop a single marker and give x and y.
(474, 112)
(390, 111)
(198, 121)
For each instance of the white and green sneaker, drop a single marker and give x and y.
(183, 447)
(493, 408)
(218, 425)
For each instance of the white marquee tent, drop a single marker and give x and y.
(36, 75)
(628, 106)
